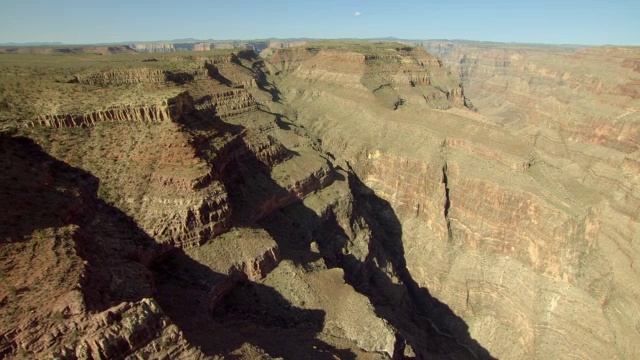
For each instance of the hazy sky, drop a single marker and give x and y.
(91, 21)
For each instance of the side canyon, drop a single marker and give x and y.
(333, 199)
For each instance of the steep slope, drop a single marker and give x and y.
(578, 108)
(333, 200)
(256, 45)
(494, 223)
(188, 217)
(74, 269)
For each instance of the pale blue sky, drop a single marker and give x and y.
(91, 21)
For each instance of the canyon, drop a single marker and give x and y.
(256, 46)
(330, 199)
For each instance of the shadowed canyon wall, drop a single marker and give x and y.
(198, 220)
(510, 215)
(333, 199)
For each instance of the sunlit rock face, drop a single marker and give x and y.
(523, 216)
(349, 200)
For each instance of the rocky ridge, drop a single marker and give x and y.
(577, 107)
(336, 197)
(256, 46)
(171, 109)
(223, 162)
(493, 225)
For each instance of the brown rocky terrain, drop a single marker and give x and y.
(256, 45)
(515, 222)
(333, 200)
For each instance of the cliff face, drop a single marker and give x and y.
(341, 198)
(200, 197)
(506, 215)
(73, 265)
(566, 90)
(172, 109)
(397, 76)
(578, 108)
(257, 46)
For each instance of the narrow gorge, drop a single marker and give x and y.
(334, 199)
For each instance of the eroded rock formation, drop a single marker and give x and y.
(172, 109)
(344, 199)
(497, 222)
(257, 46)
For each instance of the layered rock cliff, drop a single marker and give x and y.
(517, 236)
(74, 279)
(257, 45)
(344, 199)
(578, 108)
(398, 76)
(209, 203)
(172, 109)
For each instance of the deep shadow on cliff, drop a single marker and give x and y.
(427, 325)
(426, 312)
(125, 264)
(39, 192)
(250, 312)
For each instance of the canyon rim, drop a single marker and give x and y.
(320, 199)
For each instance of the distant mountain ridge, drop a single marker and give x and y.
(30, 43)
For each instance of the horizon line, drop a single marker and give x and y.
(195, 40)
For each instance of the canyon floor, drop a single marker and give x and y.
(330, 200)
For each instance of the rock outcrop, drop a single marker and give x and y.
(231, 102)
(131, 328)
(75, 270)
(113, 77)
(512, 232)
(172, 109)
(341, 198)
(257, 46)
(168, 228)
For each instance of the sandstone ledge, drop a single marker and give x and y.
(171, 109)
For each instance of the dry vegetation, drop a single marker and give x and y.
(35, 84)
